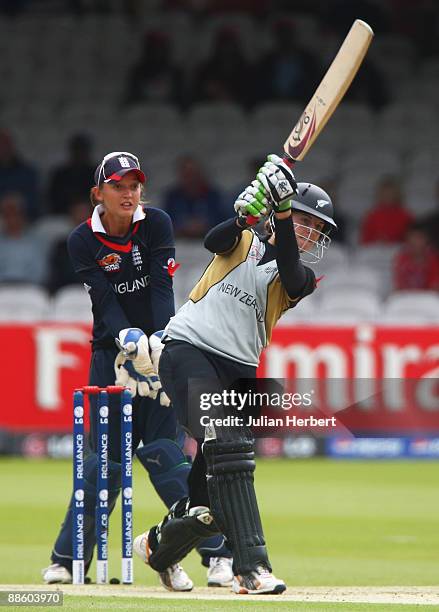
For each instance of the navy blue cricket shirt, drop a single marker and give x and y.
(129, 279)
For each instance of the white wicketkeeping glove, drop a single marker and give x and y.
(123, 378)
(252, 201)
(279, 182)
(156, 345)
(133, 366)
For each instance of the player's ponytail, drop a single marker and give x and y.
(143, 201)
(93, 199)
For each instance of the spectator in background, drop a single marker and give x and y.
(193, 203)
(17, 176)
(416, 266)
(388, 220)
(22, 258)
(60, 271)
(430, 223)
(226, 75)
(74, 178)
(290, 72)
(155, 77)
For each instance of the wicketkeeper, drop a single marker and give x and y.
(124, 254)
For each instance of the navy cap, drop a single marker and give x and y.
(115, 165)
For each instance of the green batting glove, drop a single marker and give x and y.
(252, 201)
(278, 181)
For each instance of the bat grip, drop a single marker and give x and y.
(289, 161)
(252, 220)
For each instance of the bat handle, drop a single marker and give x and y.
(252, 220)
(289, 161)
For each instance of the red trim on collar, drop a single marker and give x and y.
(123, 248)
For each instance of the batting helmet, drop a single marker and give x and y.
(313, 200)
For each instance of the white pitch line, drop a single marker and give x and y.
(427, 595)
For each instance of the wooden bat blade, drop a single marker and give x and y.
(330, 91)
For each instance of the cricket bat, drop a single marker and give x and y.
(330, 92)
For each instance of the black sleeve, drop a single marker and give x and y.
(224, 236)
(103, 298)
(296, 279)
(162, 250)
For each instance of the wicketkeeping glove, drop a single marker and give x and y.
(252, 201)
(156, 346)
(279, 183)
(133, 366)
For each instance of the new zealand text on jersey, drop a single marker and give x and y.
(244, 297)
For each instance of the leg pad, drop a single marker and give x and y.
(230, 465)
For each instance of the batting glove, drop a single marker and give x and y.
(133, 366)
(252, 201)
(279, 182)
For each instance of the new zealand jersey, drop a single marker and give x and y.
(128, 279)
(235, 305)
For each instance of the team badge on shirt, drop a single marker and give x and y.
(110, 263)
(255, 252)
(137, 258)
(172, 266)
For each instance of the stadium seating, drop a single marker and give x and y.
(351, 279)
(412, 306)
(23, 303)
(55, 94)
(303, 314)
(72, 303)
(52, 228)
(353, 303)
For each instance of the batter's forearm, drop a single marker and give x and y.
(225, 236)
(291, 270)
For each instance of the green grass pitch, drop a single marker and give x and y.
(142, 605)
(326, 522)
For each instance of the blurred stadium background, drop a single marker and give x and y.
(185, 85)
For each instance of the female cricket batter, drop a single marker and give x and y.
(124, 254)
(218, 336)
